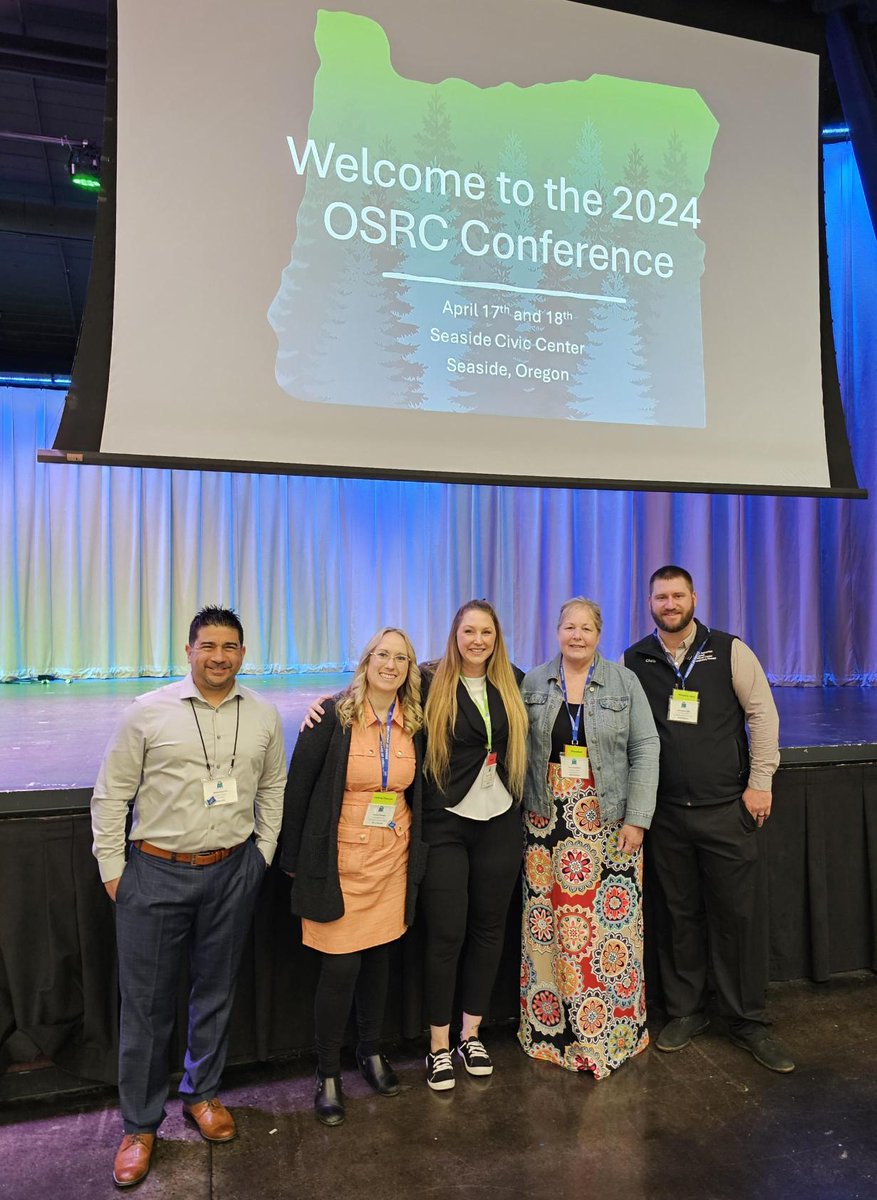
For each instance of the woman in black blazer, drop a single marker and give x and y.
(474, 772)
(352, 841)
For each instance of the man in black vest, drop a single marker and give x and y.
(714, 795)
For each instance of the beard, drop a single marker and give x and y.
(673, 624)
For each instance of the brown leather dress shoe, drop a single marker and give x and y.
(215, 1123)
(131, 1163)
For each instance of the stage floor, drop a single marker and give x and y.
(52, 735)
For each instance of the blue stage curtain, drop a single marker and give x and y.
(851, 50)
(101, 568)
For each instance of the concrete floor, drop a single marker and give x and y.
(707, 1123)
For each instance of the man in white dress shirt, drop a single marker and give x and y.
(204, 762)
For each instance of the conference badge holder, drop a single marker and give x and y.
(684, 706)
(381, 811)
(218, 792)
(574, 763)
(488, 770)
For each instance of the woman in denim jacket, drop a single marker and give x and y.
(589, 797)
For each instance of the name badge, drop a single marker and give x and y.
(574, 763)
(381, 810)
(684, 706)
(219, 791)
(488, 773)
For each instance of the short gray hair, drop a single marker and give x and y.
(581, 601)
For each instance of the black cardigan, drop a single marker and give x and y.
(469, 741)
(311, 810)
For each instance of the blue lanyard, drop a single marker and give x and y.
(576, 720)
(683, 679)
(385, 745)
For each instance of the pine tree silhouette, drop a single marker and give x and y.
(304, 297)
(404, 373)
(671, 311)
(613, 382)
(356, 351)
(425, 301)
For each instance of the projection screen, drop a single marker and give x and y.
(502, 240)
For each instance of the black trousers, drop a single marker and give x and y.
(464, 898)
(706, 862)
(363, 975)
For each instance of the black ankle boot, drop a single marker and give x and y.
(378, 1073)
(329, 1100)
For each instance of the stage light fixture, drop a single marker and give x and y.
(84, 166)
(83, 162)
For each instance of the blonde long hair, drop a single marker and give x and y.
(440, 714)
(352, 704)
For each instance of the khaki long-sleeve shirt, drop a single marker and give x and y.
(167, 743)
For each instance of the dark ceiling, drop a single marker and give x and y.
(52, 83)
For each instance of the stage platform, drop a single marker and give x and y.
(58, 995)
(53, 734)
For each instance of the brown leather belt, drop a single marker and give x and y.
(203, 858)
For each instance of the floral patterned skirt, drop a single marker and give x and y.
(583, 1001)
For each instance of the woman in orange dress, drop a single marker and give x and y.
(351, 840)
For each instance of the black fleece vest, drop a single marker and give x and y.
(706, 763)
